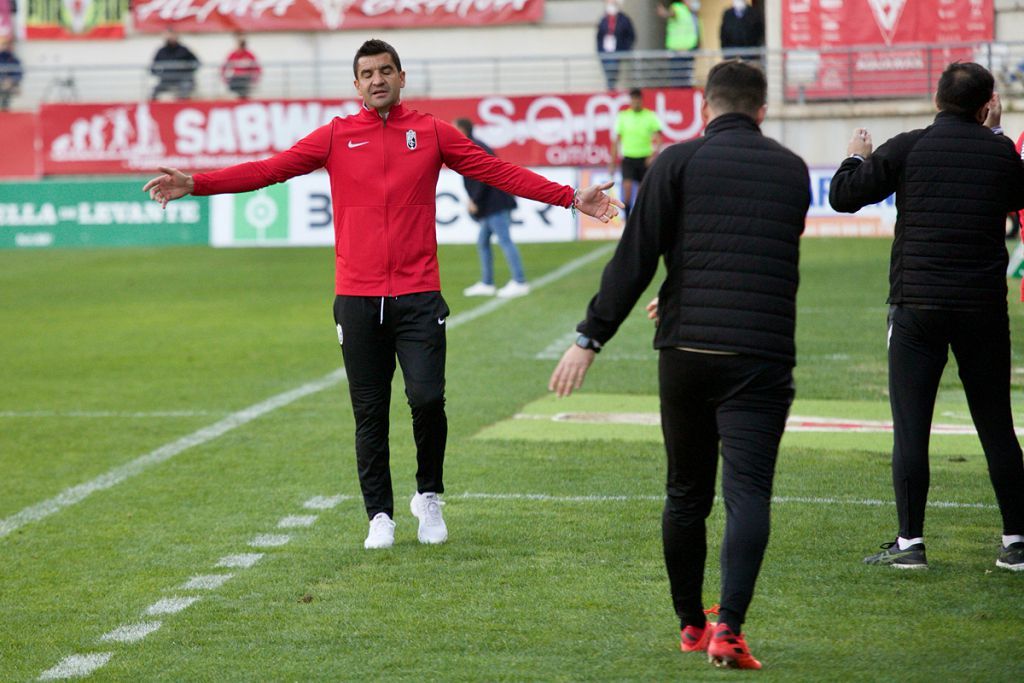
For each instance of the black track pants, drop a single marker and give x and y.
(741, 403)
(919, 343)
(373, 331)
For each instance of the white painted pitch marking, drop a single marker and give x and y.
(324, 502)
(206, 582)
(169, 606)
(104, 413)
(76, 666)
(269, 540)
(76, 494)
(132, 633)
(555, 349)
(115, 476)
(782, 500)
(239, 561)
(296, 521)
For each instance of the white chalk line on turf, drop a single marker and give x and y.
(76, 666)
(776, 500)
(79, 665)
(115, 476)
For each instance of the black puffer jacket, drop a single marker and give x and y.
(726, 211)
(954, 181)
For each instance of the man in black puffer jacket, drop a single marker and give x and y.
(954, 181)
(726, 212)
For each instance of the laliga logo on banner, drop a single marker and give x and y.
(887, 16)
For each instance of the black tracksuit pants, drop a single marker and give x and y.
(919, 343)
(740, 402)
(373, 331)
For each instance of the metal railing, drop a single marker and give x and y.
(794, 76)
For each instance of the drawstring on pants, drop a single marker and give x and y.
(382, 310)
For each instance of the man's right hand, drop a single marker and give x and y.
(173, 184)
(860, 143)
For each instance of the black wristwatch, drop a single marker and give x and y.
(585, 342)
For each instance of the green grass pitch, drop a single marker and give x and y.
(553, 571)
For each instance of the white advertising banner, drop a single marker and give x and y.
(299, 213)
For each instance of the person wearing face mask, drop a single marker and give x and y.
(615, 36)
(682, 37)
(742, 29)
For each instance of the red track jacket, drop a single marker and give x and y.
(383, 183)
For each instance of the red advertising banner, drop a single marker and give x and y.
(6, 26)
(18, 134)
(877, 48)
(75, 19)
(327, 15)
(543, 130)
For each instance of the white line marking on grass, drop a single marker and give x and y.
(104, 413)
(115, 476)
(76, 666)
(76, 494)
(556, 349)
(324, 502)
(132, 633)
(269, 540)
(296, 521)
(206, 582)
(782, 500)
(169, 606)
(239, 561)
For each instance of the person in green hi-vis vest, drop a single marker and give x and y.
(682, 36)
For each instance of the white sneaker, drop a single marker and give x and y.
(513, 289)
(479, 289)
(382, 532)
(426, 507)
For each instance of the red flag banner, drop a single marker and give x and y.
(543, 130)
(6, 26)
(877, 48)
(327, 15)
(76, 19)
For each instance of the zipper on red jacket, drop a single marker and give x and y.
(387, 226)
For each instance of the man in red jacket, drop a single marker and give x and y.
(383, 165)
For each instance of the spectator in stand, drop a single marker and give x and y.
(615, 37)
(241, 71)
(10, 73)
(682, 36)
(492, 209)
(742, 30)
(175, 66)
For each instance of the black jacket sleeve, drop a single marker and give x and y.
(859, 183)
(649, 232)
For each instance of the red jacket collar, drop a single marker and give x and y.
(397, 111)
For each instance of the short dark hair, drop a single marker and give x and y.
(374, 47)
(465, 125)
(736, 86)
(964, 88)
(636, 92)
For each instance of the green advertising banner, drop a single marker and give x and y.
(103, 213)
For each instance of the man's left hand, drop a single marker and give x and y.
(594, 202)
(570, 371)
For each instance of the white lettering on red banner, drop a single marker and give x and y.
(313, 15)
(547, 130)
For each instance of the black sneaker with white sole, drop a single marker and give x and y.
(911, 558)
(1011, 557)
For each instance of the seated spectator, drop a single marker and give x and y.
(241, 71)
(10, 73)
(175, 66)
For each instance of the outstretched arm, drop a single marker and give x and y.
(465, 157)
